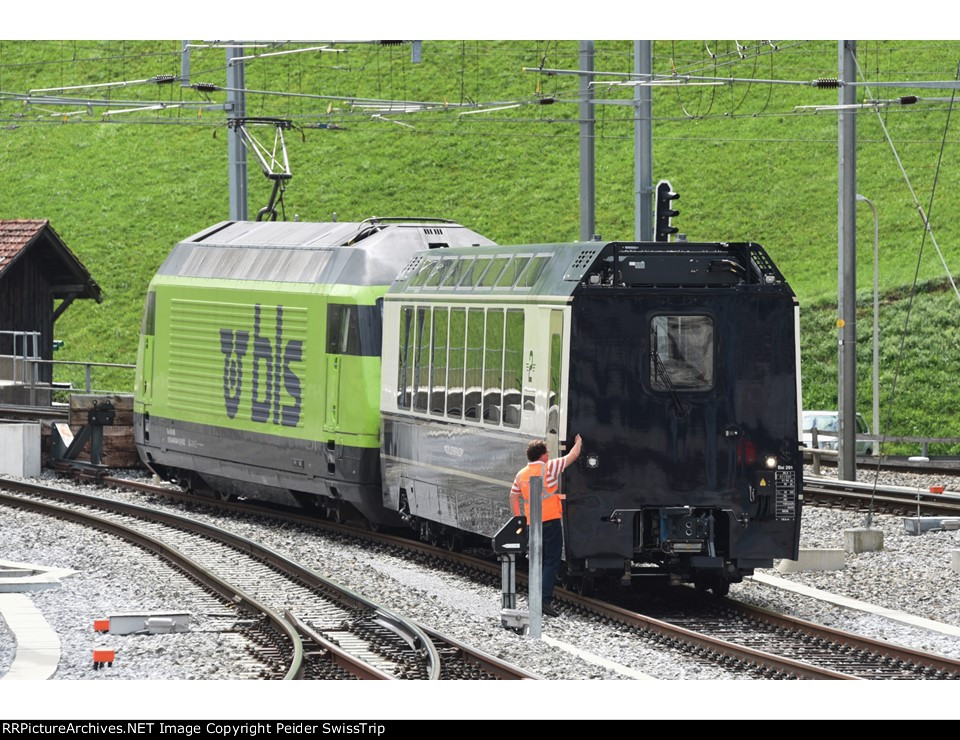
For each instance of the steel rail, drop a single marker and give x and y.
(229, 592)
(467, 654)
(408, 630)
(747, 655)
(905, 500)
(920, 657)
(338, 655)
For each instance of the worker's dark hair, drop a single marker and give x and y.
(536, 449)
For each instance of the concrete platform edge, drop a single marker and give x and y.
(38, 646)
(897, 616)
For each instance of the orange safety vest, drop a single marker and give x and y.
(552, 503)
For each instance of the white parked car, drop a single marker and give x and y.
(828, 421)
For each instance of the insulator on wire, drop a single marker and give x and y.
(826, 82)
(909, 100)
(547, 101)
(205, 87)
(163, 79)
(390, 43)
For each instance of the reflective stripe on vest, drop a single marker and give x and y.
(552, 506)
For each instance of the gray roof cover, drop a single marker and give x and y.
(371, 252)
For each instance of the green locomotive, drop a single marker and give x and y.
(258, 368)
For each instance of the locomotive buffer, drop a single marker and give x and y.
(510, 540)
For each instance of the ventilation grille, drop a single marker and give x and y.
(580, 264)
(583, 260)
(411, 267)
(763, 262)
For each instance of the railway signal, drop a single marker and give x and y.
(665, 194)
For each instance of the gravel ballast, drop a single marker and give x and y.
(912, 574)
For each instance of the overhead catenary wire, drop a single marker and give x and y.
(360, 107)
(251, 57)
(477, 53)
(916, 276)
(923, 216)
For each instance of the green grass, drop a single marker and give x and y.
(122, 193)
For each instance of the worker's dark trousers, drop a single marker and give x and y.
(552, 555)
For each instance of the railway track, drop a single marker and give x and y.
(935, 466)
(883, 500)
(299, 625)
(761, 641)
(720, 631)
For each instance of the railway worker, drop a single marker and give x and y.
(552, 509)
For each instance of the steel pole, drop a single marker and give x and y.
(847, 264)
(237, 153)
(535, 561)
(643, 143)
(185, 63)
(587, 161)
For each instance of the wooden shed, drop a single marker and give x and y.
(36, 270)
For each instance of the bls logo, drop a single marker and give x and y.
(271, 366)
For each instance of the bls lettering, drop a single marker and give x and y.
(271, 368)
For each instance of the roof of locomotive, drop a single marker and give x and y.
(369, 252)
(558, 270)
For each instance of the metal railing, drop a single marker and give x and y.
(19, 359)
(88, 366)
(816, 452)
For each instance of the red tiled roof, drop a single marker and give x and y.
(64, 271)
(15, 235)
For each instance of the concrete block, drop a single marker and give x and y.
(20, 450)
(955, 560)
(862, 540)
(813, 559)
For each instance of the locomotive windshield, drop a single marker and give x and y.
(354, 330)
(681, 356)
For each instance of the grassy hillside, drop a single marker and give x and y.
(122, 189)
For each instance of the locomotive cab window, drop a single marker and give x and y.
(681, 353)
(149, 314)
(354, 330)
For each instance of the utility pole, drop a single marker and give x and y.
(643, 142)
(847, 264)
(236, 108)
(587, 181)
(185, 64)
